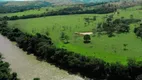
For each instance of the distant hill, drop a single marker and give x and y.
(93, 1)
(56, 2)
(25, 3)
(78, 1)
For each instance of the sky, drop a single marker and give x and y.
(16, 0)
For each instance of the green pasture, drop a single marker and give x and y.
(103, 47)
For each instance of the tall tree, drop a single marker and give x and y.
(87, 38)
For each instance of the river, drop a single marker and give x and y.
(28, 67)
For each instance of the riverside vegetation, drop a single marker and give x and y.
(5, 71)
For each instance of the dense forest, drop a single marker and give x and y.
(42, 47)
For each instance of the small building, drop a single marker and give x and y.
(83, 33)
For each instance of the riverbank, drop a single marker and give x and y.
(28, 67)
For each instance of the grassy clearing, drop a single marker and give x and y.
(108, 49)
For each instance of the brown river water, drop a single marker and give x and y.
(28, 67)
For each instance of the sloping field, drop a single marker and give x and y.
(103, 47)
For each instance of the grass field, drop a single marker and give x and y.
(103, 47)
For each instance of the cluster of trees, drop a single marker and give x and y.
(111, 26)
(101, 9)
(138, 31)
(42, 47)
(88, 20)
(5, 72)
(64, 37)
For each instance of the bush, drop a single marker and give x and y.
(36, 79)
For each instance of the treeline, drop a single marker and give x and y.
(28, 6)
(42, 47)
(100, 9)
(5, 72)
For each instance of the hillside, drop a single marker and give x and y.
(55, 2)
(99, 47)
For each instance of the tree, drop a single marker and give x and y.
(87, 38)
(138, 31)
(3, 24)
(131, 16)
(36, 79)
(14, 76)
(109, 18)
(66, 38)
(47, 9)
(47, 33)
(139, 77)
(1, 57)
(62, 36)
(94, 32)
(87, 20)
(94, 18)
